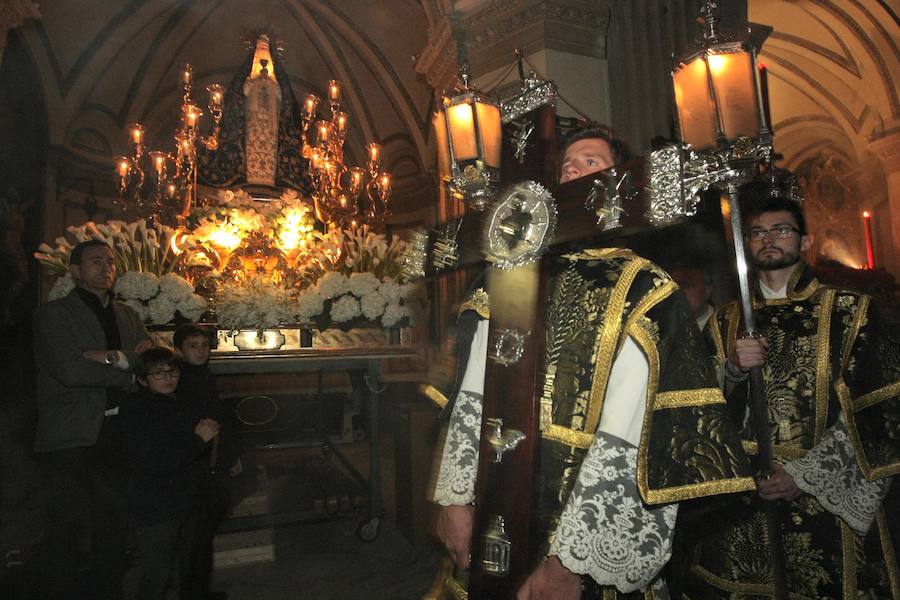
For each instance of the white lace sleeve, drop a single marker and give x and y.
(829, 472)
(605, 531)
(459, 460)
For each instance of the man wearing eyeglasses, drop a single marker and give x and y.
(831, 377)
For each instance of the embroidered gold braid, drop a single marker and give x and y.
(823, 363)
(608, 340)
(479, 302)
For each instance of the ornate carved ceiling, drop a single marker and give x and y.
(833, 72)
(106, 63)
(834, 66)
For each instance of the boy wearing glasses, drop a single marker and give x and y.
(831, 377)
(163, 440)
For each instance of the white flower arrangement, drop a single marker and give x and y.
(255, 303)
(340, 299)
(346, 277)
(159, 300)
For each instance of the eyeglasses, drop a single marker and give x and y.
(779, 233)
(167, 374)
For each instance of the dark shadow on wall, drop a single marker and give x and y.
(23, 154)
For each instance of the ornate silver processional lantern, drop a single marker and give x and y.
(726, 137)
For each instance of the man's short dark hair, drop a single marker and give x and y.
(756, 198)
(189, 330)
(619, 148)
(155, 356)
(78, 251)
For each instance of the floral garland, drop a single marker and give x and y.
(342, 277)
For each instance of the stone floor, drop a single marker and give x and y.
(323, 560)
(327, 561)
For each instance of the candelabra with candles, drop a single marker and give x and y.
(341, 193)
(179, 190)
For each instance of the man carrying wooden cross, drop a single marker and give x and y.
(632, 420)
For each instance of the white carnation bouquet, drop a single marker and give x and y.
(254, 302)
(160, 299)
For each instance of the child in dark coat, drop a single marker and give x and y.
(197, 389)
(163, 442)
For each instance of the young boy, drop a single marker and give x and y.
(197, 390)
(162, 444)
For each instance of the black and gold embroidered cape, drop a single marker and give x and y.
(828, 355)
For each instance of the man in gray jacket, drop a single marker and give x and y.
(84, 345)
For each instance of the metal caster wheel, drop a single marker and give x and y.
(368, 530)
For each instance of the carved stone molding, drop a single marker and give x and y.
(887, 149)
(12, 14)
(491, 34)
(438, 60)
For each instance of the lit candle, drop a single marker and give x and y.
(187, 76)
(311, 104)
(170, 190)
(384, 182)
(324, 129)
(137, 133)
(216, 94)
(123, 164)
(341, 119)
(374, 152)
(334, 90)
(356, 177)
(192, 114)
(159, 161)
(870, 251)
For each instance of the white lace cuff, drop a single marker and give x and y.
(459, 461)
(829, 472)
(605, 531)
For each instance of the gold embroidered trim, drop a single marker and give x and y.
(862, 310)
(608, 340)
(734, 322)
(716, 333)
(600, 253)
(480, 302)
(698, 397)
(823, 363)
(609, 593)
(873, 398)
(434, 395)
(758, 589)
(568, 436)
(681, 492)
(650, 300)
(843, 394)
(792, 294)
(792, 452)
(848, 549)
(649, 595)
(806, 292)
(887, 548)
(455, 589)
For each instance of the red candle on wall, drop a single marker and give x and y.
(870, 253)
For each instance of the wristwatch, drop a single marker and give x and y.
(111, 358)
